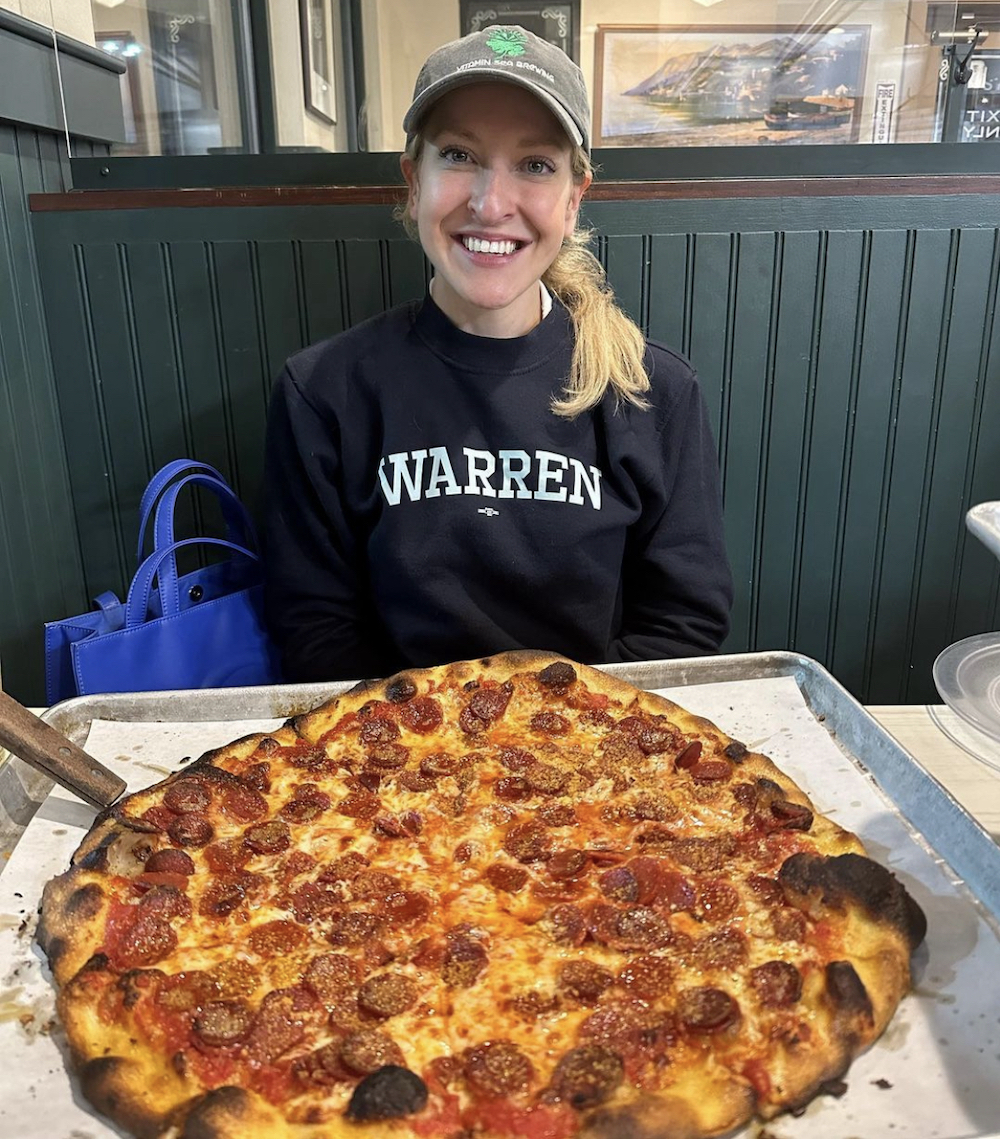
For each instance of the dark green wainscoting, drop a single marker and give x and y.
(40, 566)
(846, 346)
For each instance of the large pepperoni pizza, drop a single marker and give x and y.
(504, 898)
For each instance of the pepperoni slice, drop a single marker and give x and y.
(464, 959)
(331, 975)
(258, 776)
(546, 779)
(389, 756)
(190, 830)
(565, 924)
(489, 704)
(164, 901)
(777, 983)
(584, 981)
(306, 804)
(566, 864)
(313, 899)
(505, 877)
(717, 901)
(368, 884)
(439, 764)
(279, 1024)
(228, 855)
(549, 724)
(226, 894)
(321, 1068)
(275, 938)
(689, 756)
(359, 805)
(654, 739)
(723, 949)
(586, 1076)
(222, 1022)
(243, 804)
(353, 927)
(400, 689)
(559, 674)
(344, 868)
(707, 1010)
(646, 977)
(528, 842)
(789, 924)
(390, 1093)
(556, 815)
(711, 770)
(699, 853)
(497, 1068)
(405, 906)
(271, 837)
(187, 992)
(147, 940)
(187, 797)
(367, 1050)
(378, 732)
(414, 781)
(169, 861)
(619, 885)
(515, 758)
(387, 994)
(512, 788)
(422, 715)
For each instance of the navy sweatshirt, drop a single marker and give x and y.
(425, 505)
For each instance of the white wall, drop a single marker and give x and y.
(71, 17)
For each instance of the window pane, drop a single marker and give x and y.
(724, 72)
(180, 91)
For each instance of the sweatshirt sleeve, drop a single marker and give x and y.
(316, 602)
(676, 583)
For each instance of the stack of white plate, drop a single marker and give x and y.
(967, 673)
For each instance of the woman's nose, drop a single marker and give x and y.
(491, 199)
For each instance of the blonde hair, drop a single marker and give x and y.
(609, 348)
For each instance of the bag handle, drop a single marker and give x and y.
(137, 603)
(239, 527)
(163, 477)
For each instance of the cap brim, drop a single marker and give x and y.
(420, 106)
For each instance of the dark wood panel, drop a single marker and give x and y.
(708, 188)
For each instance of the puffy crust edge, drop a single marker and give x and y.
(711, 1108)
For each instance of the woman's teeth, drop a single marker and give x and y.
(477, 245)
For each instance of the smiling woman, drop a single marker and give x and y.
(516, 379)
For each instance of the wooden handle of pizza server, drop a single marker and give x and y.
(42, 747)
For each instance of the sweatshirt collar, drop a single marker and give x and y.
(486, 354)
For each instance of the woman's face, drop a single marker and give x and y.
(493, 195)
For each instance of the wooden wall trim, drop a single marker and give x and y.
(237, 196)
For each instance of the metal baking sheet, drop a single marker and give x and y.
(956, 837)
(946, 1031)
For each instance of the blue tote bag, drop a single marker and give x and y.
(202, 629)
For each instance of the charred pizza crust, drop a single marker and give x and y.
(656, 1042)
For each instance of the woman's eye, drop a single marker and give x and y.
(539, 166)
(454, 154)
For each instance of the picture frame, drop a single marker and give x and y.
(703, 85)
(318, 72)
(558, 23)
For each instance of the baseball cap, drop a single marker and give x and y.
(511, 54)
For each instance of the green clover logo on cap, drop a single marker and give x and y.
(506, 43)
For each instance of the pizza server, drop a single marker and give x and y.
(48, 751)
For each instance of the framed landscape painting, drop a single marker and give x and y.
(658, 85)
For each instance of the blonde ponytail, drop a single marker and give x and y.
(609, 348)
